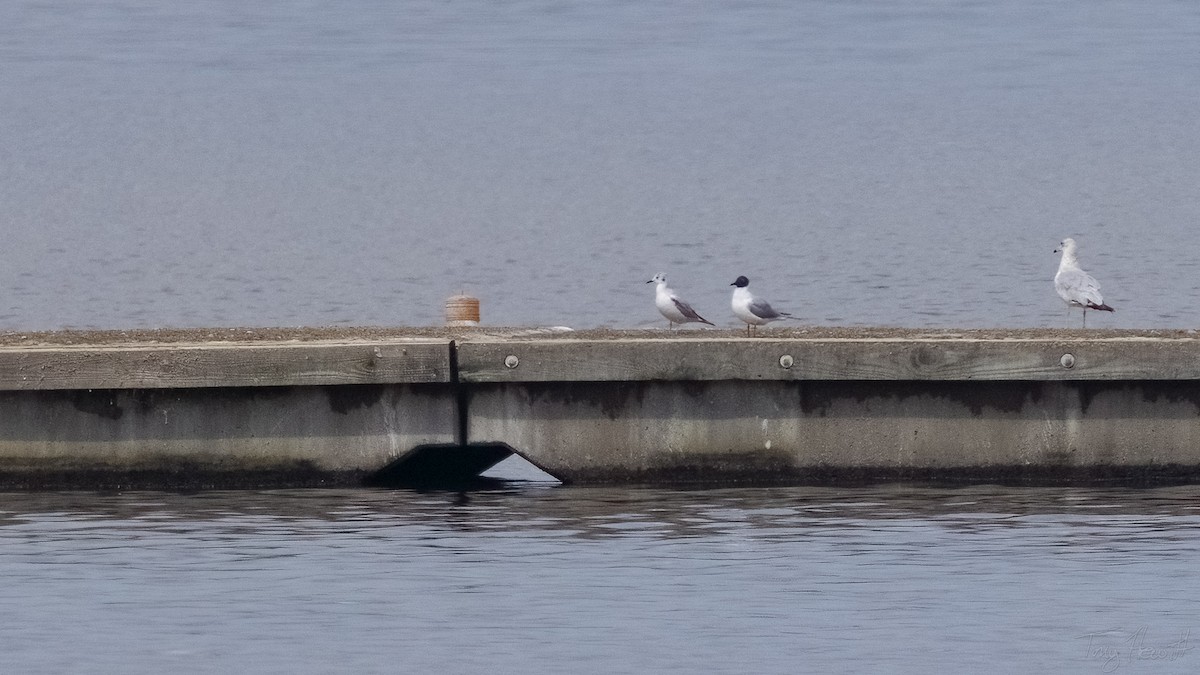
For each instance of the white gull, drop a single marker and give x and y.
(671, 306)
(754, 312)
(1076, 287)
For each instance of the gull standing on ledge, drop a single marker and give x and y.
(1075, 286)
(670, 306)
(754, 312)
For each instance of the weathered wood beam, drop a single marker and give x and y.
(564, 360)
(165, 366)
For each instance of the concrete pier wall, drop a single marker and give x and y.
(1032, 410)
(847, 431)
(244, 436)
(603, 408)
(194, 416)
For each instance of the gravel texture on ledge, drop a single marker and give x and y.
(169, 336)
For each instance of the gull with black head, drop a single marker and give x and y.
(751, 310)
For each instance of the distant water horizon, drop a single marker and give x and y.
(173, 164)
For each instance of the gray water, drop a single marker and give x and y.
(588, 580)
(221, 163)
(914, 163)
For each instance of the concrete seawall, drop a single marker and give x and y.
(376, 406)
(219, 414)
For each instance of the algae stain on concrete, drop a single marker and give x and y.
(345, 399)
(100, 403)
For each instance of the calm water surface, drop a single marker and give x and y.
(588, 580)
(171, 163)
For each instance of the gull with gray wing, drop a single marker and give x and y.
(671, 306)
(1076, 287)
(751, 310)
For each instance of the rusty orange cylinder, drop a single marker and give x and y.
(462, 310)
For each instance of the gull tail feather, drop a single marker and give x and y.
(1101, 307)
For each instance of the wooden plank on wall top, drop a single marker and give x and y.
(765, 359)
(223, 365)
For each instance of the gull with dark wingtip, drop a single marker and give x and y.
(754, 312)
(670, 306)
(1076, 287)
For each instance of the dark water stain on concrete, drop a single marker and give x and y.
(612, 398)
(173, 473)
(344, 399)
(1173, 391)
(1146, 391)
(102, 403)
(819, 397)
(115, 403)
